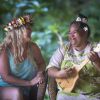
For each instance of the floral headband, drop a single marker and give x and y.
(15, 23)
(83, 19)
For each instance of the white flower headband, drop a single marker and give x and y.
(78, 19)
(84, 20)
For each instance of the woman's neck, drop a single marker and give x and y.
(81, 47)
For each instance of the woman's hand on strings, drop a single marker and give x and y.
(93, 56)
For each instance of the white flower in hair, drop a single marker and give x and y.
(85, 29)
(78, 19)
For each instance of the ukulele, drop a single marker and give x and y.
(67, 85)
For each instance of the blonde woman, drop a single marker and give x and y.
(21, 63)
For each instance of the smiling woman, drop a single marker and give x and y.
(76, 76)
(21, 63)
(79, 33)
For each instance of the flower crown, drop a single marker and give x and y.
(15, 23)
(82, 18)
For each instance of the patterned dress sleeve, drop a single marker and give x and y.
(55, 61)
(57, 58)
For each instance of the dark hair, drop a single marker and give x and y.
(81, 27)
(81, 24)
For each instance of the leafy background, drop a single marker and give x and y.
(51, 17)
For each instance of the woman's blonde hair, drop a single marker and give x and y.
(14, 36)
(15, 39)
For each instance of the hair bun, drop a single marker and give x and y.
(82, 18)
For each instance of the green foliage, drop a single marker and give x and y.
(50, 18)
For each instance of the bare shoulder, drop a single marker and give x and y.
(4, 56)
(4, 62)
(3, 53)
(35, 47)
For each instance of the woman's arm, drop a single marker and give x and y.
(38, 58)
(56, 73)
(53, 72)
(41, 69)
(8, 77)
